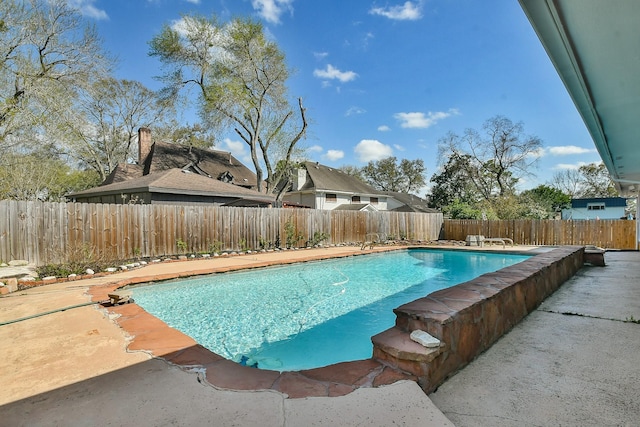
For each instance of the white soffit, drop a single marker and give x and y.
(595, 47)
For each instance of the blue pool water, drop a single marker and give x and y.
(312, 314)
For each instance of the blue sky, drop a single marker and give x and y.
(383, 78)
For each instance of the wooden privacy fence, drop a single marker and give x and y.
(48, 232)
(605, 233)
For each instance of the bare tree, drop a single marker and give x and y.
(100, 129)
(46, 52)
(592, 180)
(498, 158)
(568, 181)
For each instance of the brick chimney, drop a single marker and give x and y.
(144, 144)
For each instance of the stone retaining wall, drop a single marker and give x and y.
(468, 318)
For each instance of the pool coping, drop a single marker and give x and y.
(151, 335)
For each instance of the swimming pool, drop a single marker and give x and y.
(311, 314)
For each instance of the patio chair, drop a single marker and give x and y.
(502, 240)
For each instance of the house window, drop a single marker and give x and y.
(330, 197)
(595, 206)
(355, 199)
(373, 200)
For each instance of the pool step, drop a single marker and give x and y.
(395, 348)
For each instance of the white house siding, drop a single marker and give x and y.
(322, 203)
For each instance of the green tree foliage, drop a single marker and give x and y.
(408, 176)
(41, 176)
(241, 77)
(458, 209)
(550, 200)
(452, 183)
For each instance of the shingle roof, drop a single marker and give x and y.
(351, 207)
(330, 179)
(177, 181)
(411, 202)
(123, 173)
(608, 201)
(165, 156)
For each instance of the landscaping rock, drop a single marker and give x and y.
(18, 263)
(90, 271)
(12, 284)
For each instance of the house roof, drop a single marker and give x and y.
(123, 173)
(176, 181)
(214, 163)
(608, 201)
(411, 203)
(355, 207)
(325, 178)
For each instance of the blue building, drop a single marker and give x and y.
(596, 208)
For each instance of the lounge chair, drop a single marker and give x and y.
(371, 239)
(503, 240)
(480, 240)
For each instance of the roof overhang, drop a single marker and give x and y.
(595, 47)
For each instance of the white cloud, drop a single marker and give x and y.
(86, 8)
(418, 120)
(572, 166)
(315, 149)
(193, 1)
(320, 55)
(398, 147)
(564, 150)
(238, 149)
(371, 149)
(271, 10)
(540, 152)
(333, 73)
(353, 111)
(405, 12)
(334, 155)
(384, 128)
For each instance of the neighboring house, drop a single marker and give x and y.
(176, 174)
(596, 208)
(322, 187)
(404, 202)
(360, 207)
